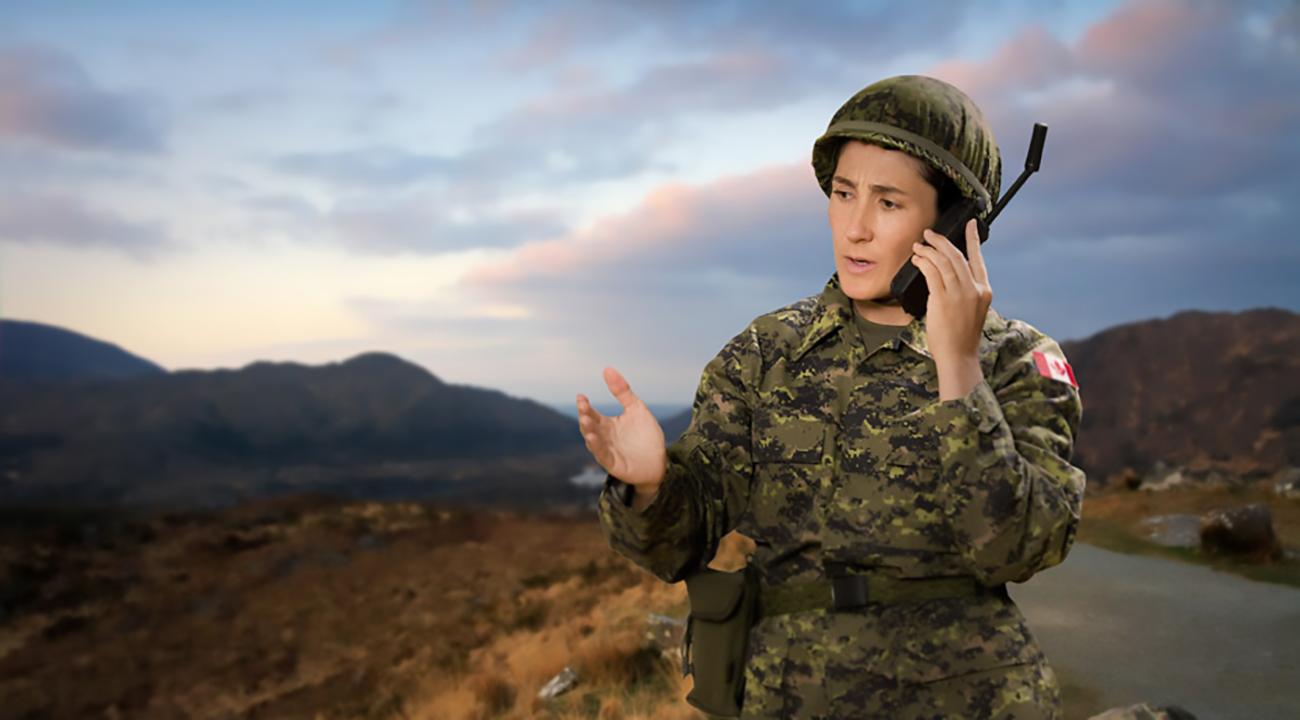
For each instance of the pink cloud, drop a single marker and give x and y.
(1151, 34)
(63, 220)
(1029, 60)
(46, 99)
(670, 221)
(1160, 95)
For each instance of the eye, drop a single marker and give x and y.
(889, 204)
(841, 194)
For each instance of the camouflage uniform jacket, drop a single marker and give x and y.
(824, 451)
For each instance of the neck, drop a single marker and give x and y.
(883, 311)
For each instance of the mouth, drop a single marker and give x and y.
(859, 263)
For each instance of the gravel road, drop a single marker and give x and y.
(1138, 629)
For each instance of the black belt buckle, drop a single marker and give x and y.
(848, 591)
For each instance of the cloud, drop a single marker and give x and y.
(579, 121)
(249, 99)
(66, 221)
(758, 59)
(742, 223)
(660, 288)
(418, 223)
(590, 126)
(843, 32)
(25, 168)
(1159, 99)
(47, 100)
(374, 167)
(1168, 169)
(412, 226)
(1160, 191)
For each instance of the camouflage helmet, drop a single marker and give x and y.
(925, 118)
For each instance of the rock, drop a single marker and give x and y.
(1175, 479)
(1143, 711)
(664, 634)
(1289, 486)
(1242, 531)
(1215, 480)
(560, 684)
(1175, 530)
(1131, 479)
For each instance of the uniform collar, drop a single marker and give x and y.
(834, 313)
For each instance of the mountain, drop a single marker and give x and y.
(34, 351)
(676, 424)
(374, 425)
(1202, 390)
(1199, 389)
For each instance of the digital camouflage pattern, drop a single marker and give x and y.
(945, 119)
(825, 451)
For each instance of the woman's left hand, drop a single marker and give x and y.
(960, 296)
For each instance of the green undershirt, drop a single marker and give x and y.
(873, 334)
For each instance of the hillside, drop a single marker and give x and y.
(315, 608)
(1203, 390)
(374, 425)
(35, 351)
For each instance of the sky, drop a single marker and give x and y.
(514, 195)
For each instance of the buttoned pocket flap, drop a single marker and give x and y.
(790, 440)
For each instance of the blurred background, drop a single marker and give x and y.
(295, 299)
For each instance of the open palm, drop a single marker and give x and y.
(629, 446)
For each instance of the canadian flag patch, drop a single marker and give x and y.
(1054, 367)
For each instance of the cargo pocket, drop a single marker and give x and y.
(797, 441)
(789, 462)
(765, 664)
(1022, 692)
(946, 640)
(913, 467)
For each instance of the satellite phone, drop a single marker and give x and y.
(909, 284)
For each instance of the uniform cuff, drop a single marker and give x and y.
(979, 410)
(982, 408)
(616, 499)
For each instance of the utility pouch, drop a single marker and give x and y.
(724, 606)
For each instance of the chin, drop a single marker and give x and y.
(862, 291)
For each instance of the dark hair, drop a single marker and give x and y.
(946, 191)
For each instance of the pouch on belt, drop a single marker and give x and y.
(724, 607)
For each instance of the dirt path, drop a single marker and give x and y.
(1139, 629)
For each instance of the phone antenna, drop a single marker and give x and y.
(1031, 166)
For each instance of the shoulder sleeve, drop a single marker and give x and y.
(1013, 499)
(706, 487)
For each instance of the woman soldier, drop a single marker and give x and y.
(916, 465)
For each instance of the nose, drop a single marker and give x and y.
(861, 224)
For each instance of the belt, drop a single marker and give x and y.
(852, 591)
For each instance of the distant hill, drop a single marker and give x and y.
(374, 425)
(1205, 390)
(34, 351)
(1202, 390)
(675, 425)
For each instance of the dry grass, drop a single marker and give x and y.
(605, 646)
(317, 610)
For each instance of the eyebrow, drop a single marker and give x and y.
(877, 188)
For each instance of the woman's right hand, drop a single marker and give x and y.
(629, 446)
